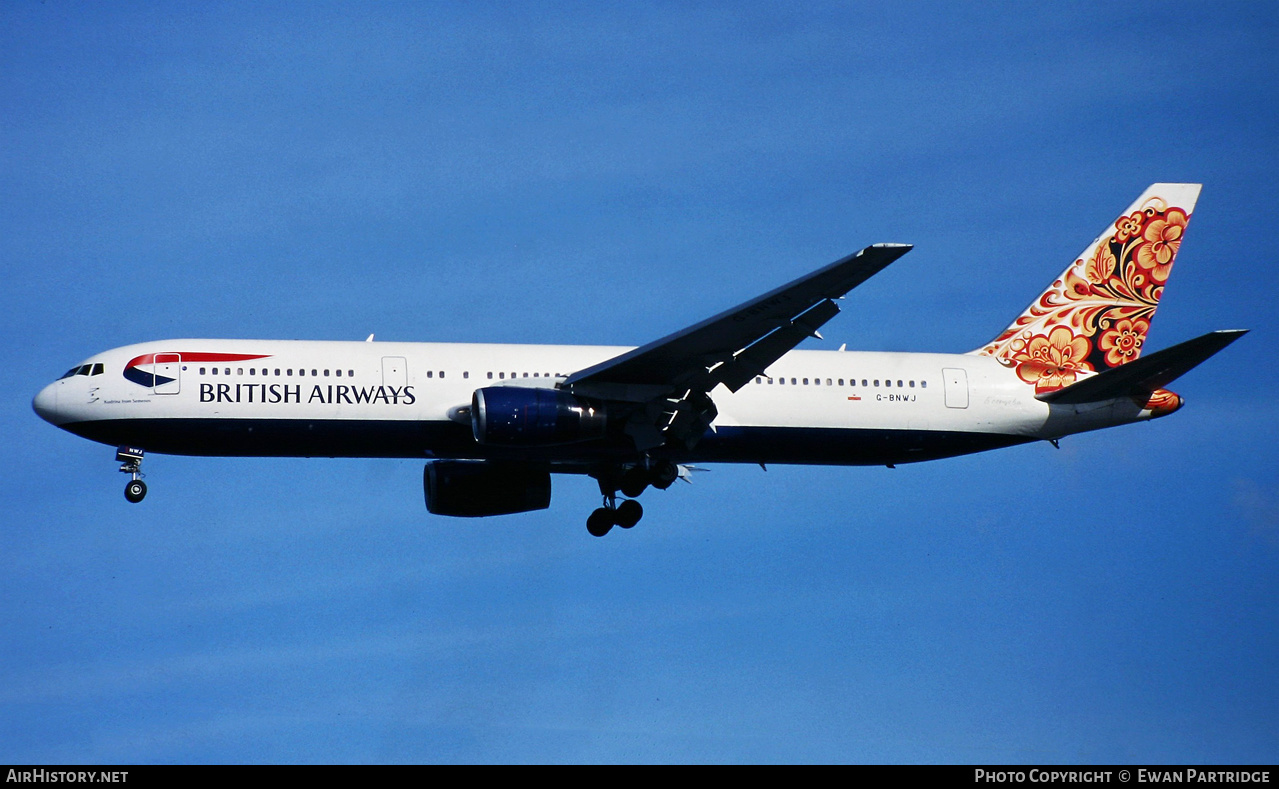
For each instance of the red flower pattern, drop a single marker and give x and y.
(1122, 342)
(1096, 315)
(1161, 240)
(1053, 361)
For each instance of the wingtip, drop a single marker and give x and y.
(891, 251)
(1230, 335)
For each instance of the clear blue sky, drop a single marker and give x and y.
(607, 173)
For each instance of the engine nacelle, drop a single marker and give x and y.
(534, 417)
(477, 488)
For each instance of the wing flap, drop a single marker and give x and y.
(759, 357)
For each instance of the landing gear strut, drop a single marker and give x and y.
(131, 459)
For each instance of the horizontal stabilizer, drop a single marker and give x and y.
(1146, 374)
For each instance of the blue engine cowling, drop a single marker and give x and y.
(534, 417)
(478, 488)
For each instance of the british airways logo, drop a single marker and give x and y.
(149, 369)
(328, 394)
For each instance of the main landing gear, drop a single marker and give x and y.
(631, 483)
(626, 514)
(136, 490)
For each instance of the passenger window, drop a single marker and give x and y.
(430, 373)
(912, 384)
(215, 371)
(326, 373)
(490, 375)
(759, 380)
(923, 384)
(338, 373)
(441, 373)
(350, 373)
(501, 375)
(770, 380)
(277, 371)
(302, 371)
(899, 383)
(239, 371)
(781, 381)
(805, 382)
(792, 382)
(863, 382)
(841, 383)
(876, 382)
(466, 373)
(526, 375)
(201, 371)
(289, 371)
(315, 373)
(252, 370)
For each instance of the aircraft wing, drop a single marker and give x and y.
(738, 344)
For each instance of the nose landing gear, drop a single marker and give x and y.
(131, 458)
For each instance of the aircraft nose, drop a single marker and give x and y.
(46, 403)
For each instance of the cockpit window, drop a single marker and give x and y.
(83, 369)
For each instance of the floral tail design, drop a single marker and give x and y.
(1096, 314)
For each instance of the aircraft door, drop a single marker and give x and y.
(166, 374)
(956, 387)
(395, 371)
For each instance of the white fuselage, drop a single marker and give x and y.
(272, 397)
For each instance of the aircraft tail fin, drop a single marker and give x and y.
(1143, 377)
(1095, 316)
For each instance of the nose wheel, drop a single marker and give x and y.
(130, 459)
(135, 491)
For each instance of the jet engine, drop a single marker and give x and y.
(476, 488)
(534, 417)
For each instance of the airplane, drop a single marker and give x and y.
(495, 421)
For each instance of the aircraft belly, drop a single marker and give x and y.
(841, 446)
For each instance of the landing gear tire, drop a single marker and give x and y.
(600, 522)
(135, 491)
(628, 514)
(634, 482)
(665, 474)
